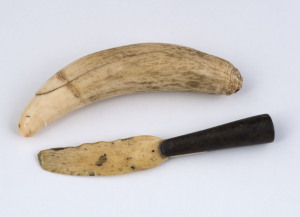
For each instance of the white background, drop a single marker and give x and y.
(261, 38)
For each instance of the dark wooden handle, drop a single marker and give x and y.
(249, 131)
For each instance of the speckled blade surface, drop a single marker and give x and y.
(104, 158)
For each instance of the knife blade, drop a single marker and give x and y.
(145, 152)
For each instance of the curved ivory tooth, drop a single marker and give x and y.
(148, 67)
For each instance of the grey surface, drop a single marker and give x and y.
(261, 38)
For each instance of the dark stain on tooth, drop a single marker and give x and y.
(19, 125)
(61, 75)
(93, 98)
(132, 167)
(73, 89)
(153, 87)
(91, 174)
(193, 84)
(27, 116)
(129, 138)
(147, 82)
(57, 149)
(102, 159)
(153, 151)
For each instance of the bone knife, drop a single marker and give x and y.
(144, 152)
